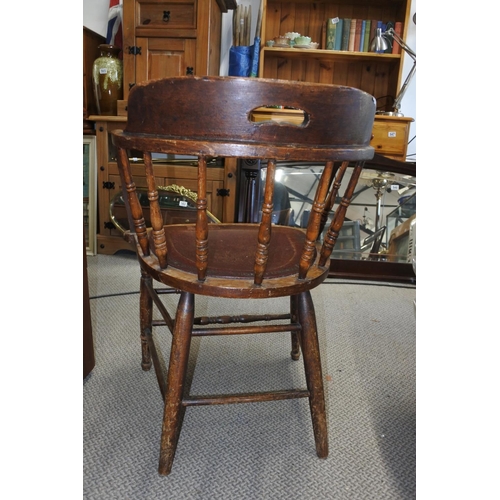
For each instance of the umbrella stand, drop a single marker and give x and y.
(243, 57)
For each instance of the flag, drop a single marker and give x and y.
(115, 20)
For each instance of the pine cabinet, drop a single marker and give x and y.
(221, 186)
(164, 38)
(378, 74)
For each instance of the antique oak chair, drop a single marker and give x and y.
(211, 117)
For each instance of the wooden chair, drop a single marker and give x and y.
(211, 117)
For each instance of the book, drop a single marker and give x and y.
(345, 33)
(331, 29)
(362, 37)
(338, 35)
(366, 45)
(398, 29)
(357, 35)
(352, 35)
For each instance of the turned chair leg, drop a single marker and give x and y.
(314, 377)
(146, 319)
(295, 354)
(179, 356)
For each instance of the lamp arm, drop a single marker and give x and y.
(413, 55)
(393, 34)
(399, 97)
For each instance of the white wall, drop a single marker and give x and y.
(409, 102)
(95, 17)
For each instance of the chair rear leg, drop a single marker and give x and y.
(314, 377)
(146, 319)
(295, 354)
(179, 356)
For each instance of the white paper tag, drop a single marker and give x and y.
(183, 203)
(103, 71)
(391, 134)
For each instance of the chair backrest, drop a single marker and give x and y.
(212, 117)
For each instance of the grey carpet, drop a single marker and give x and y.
(261, 450)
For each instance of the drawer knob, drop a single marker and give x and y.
(166, 16)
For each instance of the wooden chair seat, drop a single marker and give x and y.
(231, 257)
(211, 117)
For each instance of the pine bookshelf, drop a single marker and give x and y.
(377, 74)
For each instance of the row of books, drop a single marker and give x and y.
(355, 35)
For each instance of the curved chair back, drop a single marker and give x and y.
(218, 121)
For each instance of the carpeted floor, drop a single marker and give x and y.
(262, 450)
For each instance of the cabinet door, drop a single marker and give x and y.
(120, 213)
(164, 57)
(214, 202)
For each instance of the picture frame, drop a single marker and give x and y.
(90, 193)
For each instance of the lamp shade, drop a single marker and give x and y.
(379, 43)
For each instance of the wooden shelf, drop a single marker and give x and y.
(111, 118)
(328, 55)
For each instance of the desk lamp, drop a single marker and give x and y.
(380, 44)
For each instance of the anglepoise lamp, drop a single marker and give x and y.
(380, 44)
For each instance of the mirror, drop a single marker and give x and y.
(379, 220)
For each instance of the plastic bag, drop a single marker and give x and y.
(244, 59)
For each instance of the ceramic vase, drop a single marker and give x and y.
(107, 79)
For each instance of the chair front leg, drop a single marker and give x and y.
(176, 377)
(314, 377)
